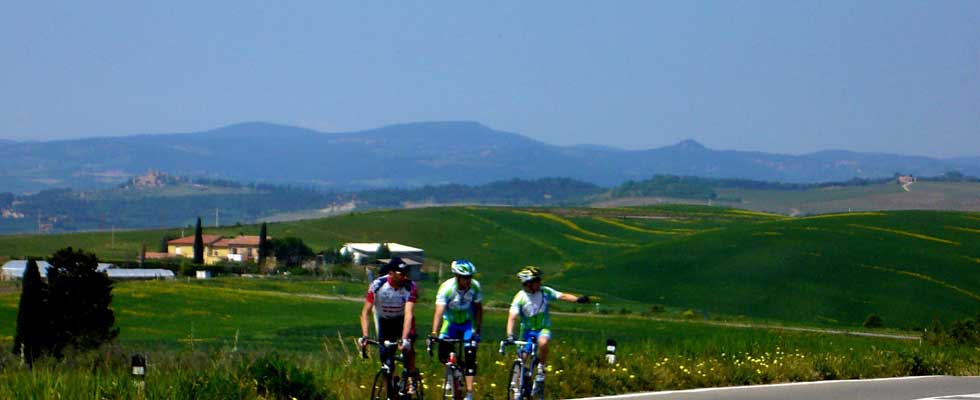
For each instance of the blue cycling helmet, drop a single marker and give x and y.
(463, 267)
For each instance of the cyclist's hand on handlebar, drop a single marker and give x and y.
(510, 339)
(406, 344)
(362, 344)
(475, 337)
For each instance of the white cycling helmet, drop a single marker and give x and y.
(463, 267)
(529, 274)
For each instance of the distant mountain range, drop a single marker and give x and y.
(415, 154)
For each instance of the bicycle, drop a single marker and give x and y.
(454, 382)
(520, 384)
(388, 386)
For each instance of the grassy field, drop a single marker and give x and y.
(950, 196)
(889, 196)
(832, 270)
(204, 340)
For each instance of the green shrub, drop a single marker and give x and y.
(966, 331)
(281, 379)
(873, 321)
(299, 271)
(339, 270)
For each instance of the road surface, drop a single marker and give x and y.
(909, 388)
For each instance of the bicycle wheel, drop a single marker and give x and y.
(400, 389)
(379, 390)
(420, 388)
(515, 382)
(538, 392)
(450, 386)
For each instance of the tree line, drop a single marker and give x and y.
(693, 187)
(68, 210)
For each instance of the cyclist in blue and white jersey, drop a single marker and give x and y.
(392, 299)
(459, 303)
(531, 305)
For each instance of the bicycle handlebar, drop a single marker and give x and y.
(372, 342)
(435, 339)
(505, 343)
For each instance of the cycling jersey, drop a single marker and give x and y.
(459, 303)
(533, 308)
(388, 301)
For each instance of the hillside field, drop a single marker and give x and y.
(908, 267)
(922, 195)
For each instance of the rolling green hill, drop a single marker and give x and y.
(907, 267)
(833, 270)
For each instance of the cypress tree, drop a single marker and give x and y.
(262, 245)
(383, 251)
(32, 327)
(78, 301)
(198, 243)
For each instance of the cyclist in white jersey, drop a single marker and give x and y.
(459, 303)
(392, 299)
(531, 305)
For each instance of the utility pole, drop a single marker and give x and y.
(112, 235)
(215, 217)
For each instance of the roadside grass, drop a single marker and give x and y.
(204, 340)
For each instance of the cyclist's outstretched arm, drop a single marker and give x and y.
(572, 298)
(510, 323)
(437, 318)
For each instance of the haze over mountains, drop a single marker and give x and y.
(415, 154)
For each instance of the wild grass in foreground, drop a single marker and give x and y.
(721, 357)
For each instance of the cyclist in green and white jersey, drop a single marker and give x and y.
(531, 305)
(459, 303)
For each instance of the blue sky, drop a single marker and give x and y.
(775, 76)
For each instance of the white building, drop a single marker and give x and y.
(14, 270)
(117, 274)
(363, 253)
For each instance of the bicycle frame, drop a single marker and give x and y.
(454, 378)
(520, 381)
(394, 388)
